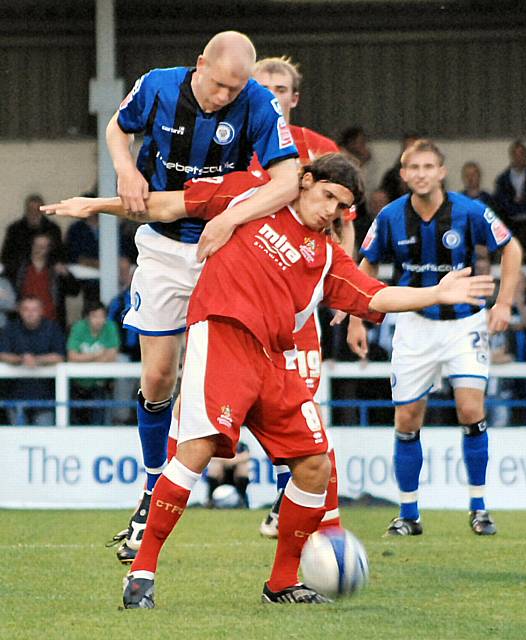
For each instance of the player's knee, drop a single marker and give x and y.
(469, 413)
(312, 473)
(157, 384)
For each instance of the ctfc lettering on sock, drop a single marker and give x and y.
(167, 506)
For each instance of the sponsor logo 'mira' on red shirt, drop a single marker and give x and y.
(273, 272)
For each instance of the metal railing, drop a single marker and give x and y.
(63, 373)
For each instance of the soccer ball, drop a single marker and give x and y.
(334, 562)
(225, 497)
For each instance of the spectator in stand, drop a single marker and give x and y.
(7, 300)
(92, 339)
(471, 175)
(127, 246)
(17, 242)
(32, 341)
(353, 142)
(82, 245)
(130, 350)
(392, 182)
(129, 340)
(234, 471)
(510, 191)
(40, 276)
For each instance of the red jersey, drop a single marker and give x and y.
(273, 272)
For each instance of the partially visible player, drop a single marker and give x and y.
(429, 233)
(197, 122)
(282, 77)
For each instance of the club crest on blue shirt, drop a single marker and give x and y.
(137, 301)
(451, 239)
(225, 133)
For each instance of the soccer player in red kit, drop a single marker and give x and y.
(240, 365)
(282, 77)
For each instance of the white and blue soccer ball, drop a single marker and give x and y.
(334, 562)
(225, 496)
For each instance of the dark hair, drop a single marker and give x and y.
(337, 168)
(350, 135)
(29, 297)
(92, 305)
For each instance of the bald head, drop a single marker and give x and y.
(233, 49)
(223, 70)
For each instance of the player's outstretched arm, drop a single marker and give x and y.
(163, 206)
(457, 287)
(282, 189)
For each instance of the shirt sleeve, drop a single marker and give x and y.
(74, 338)
(135, 109)
(57, 344)
(111, 338)
(374, 246)
(349, 289)
(270, 134)
(208, 197)
(488, 228)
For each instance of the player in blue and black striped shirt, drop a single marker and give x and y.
(200, 122)
(426, 234)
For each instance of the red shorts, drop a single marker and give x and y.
(307, 342)
(228, 381)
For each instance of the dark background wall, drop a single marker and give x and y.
(450, 69)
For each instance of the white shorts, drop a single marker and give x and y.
(167, 272)
(425, 350)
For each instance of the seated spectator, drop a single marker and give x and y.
(40, 276)
(471, 175)
(127, 246)
(30, 340)
(118, 306)
(92, 339)
(510, 191)
(19, 234)
(232, 471)
(82, 246)
(130, 350)
(391, 182)
(7, 300)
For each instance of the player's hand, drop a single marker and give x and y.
(133, 191)
(499, 317)
(216, 234)
(338, 318)
(458, 287)
(73, 207)
(357, 337)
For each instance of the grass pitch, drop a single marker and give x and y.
(59, 582)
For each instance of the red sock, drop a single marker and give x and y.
(331, 518)
(172, 448)
(296, 523)
(167, 506)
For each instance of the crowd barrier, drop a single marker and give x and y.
(63, 373)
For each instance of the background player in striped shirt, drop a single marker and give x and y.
(428, 233)
(282, 77)
(200, 122)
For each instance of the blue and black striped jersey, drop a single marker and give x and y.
(181, 141)
(423, 252)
